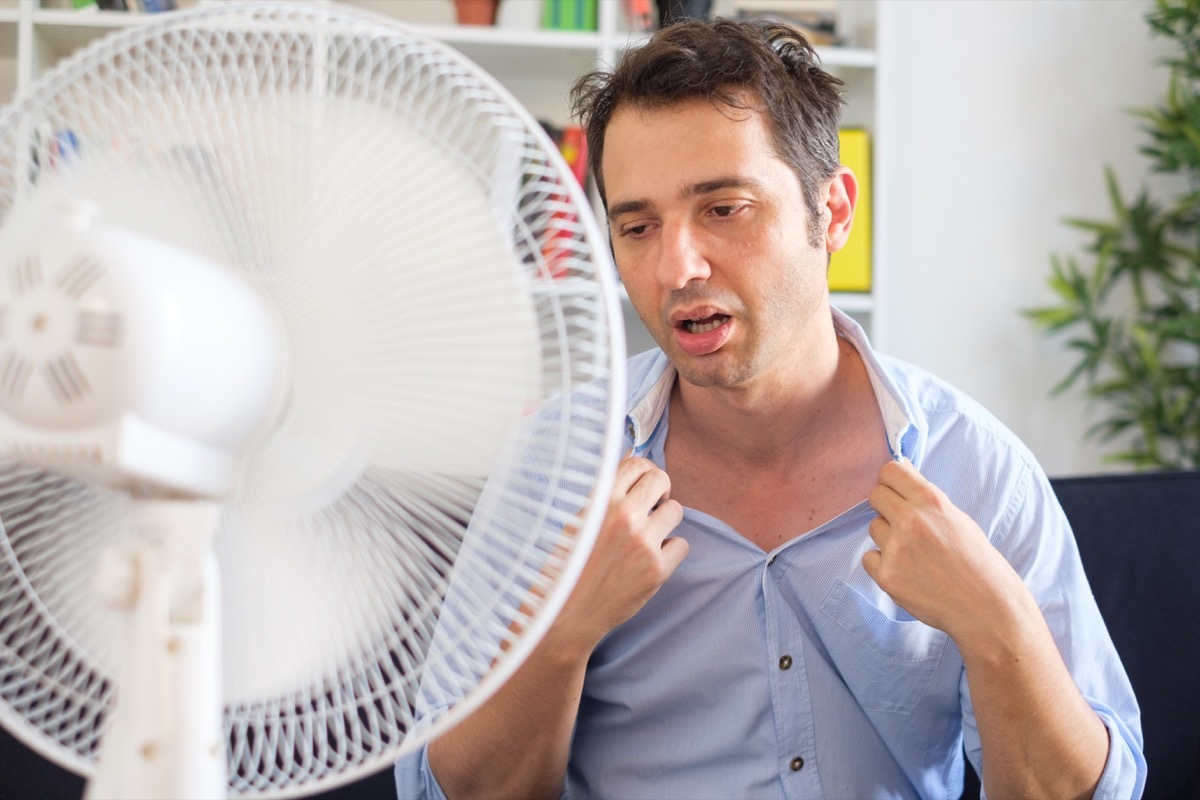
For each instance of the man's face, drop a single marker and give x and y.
(710, 233)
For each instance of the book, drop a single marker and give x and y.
(147, 6)
(573, 147)
(816, 19)
(820, 31)
(569, 15)
(850, 267)
(572, 144)
(640, 15)
(558, 247)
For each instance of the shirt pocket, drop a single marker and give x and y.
(887, 658)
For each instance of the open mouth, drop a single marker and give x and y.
(704, 325)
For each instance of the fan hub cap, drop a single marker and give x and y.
(41, 328)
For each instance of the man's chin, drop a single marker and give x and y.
(706, 372)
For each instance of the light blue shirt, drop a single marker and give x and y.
(791, 674)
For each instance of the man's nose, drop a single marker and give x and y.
(682, 258)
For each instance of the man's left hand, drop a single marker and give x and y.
(933, 560)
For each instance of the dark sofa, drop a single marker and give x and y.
(1139, 538)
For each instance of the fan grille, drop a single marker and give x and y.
(414, 230)
(48, 680)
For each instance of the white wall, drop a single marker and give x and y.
(996, 119)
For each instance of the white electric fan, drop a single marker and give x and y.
(282, 288)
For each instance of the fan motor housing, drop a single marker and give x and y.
(156, 366)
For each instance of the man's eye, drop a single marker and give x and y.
(725, 211)
(635, 230)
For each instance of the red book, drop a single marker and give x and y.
(641, 17)
(574, 151)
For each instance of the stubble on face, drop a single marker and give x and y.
(765, 330)
(769, 279)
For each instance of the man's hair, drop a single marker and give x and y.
(765, 66)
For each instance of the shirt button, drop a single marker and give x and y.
(785, 662)
(771, 561)
(797, 764)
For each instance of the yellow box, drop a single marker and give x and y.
(850, 267)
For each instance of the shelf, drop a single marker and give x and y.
(534, 64)
(537, 55)
(849, 57)
(546, 62)
(87, 22)
(507, 37)
(8, 54)
(532, 61)
(88, 17)
(853, 302)
(66, 31)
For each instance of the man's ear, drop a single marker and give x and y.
(841, 194)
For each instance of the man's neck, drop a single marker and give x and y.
(768, 421)
(775, 464)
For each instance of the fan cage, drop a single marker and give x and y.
(183, 75)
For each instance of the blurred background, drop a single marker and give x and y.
(987, 123)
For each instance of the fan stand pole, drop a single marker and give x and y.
(166, 735)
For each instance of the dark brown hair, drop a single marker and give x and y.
(761, 65)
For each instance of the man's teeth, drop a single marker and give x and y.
(704, 327)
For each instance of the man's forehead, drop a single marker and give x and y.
(737, 104)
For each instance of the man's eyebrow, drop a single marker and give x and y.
(628, 207)
(695, 190)
(719, 184)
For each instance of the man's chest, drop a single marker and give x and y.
(769, 506)
(741, 663)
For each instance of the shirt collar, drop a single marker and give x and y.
(653, 377)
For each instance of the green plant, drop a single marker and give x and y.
(1134, 310)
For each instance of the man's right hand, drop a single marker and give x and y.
(519, 742)
(631, 558)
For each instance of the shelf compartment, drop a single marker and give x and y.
(847, 57)
(853, 302)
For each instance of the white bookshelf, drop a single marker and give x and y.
(536, 65)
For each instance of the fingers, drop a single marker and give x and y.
(879, 530)
(871, 563)
(898, 475)
(889, 500)
(674, 550)
(644, 491)
(885, 500)
(642, 496)
(666, 519)
(907, 481)
(651, 489)
(630, 472)
(642, 485)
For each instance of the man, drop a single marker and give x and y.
(781, 601)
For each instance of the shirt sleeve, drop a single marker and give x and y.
(1125, 772)
(414, 779)
(1036, 538)
(481, 597)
